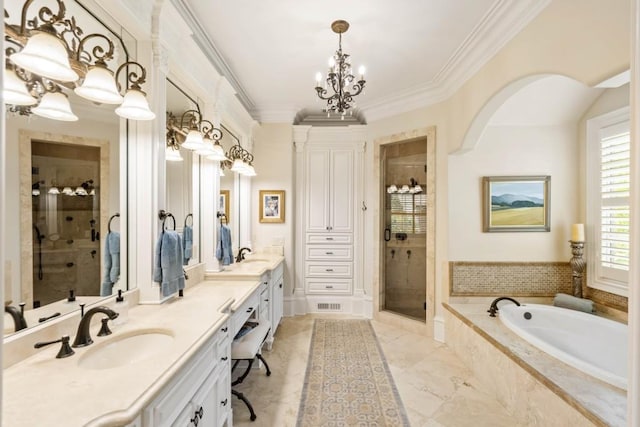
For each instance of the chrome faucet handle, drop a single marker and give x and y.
(65, 349)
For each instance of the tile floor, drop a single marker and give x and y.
(435, 387)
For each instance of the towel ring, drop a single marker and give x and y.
(115, 215)
(186, 218)
(222, 215)
(163, 215)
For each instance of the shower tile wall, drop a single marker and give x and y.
(405, 260)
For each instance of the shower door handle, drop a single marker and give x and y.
(387, 234)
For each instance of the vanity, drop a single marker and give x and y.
(169, 364)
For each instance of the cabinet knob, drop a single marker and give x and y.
(223, 402)
(281, 285)
(225, 329)
(249, 310)
(224, 358)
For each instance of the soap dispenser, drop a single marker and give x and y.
(122, 308)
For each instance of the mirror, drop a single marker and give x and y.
(182, 168)
(230, 190)
(65, 181)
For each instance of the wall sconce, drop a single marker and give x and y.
(35, 188)
(49, 53)
(240, 161)
(193, 133)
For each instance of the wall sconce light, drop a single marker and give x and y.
(35, 188)
(49, 53)
(193, 133)
(172, 151)
(240, 161)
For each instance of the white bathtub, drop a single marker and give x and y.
(595, 345)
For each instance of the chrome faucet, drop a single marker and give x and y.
(240, 256)
(17, 316)
(83, 338)
(494, 305)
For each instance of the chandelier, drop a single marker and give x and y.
(340, 79)
(49, 53)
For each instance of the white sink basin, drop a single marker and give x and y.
(126, 349)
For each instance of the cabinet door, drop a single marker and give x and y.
(277, 298)
(317, 187)
(341, 191)
(204, 402)
(223, 398)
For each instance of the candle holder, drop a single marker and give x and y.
(577, 267)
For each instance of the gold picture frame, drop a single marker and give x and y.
(223, 203)
(516, 203)
(272, 207)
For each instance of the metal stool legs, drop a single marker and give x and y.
(241, 378)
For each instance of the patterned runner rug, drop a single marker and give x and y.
(348, 382)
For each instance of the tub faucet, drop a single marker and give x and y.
(494, 305)
(240, 256)
(18, 318)
(83, 338)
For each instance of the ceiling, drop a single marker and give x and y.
(416, 52)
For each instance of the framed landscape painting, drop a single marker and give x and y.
(516, 203)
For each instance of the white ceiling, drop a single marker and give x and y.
(416, 52)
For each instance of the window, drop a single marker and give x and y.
(408, 213)
(608, 201)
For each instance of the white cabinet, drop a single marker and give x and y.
(194, 397)
(330, 190)
(277, 297)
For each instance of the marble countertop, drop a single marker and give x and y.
(43, 390)
(253, 266)
(606, 402)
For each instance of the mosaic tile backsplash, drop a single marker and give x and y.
(521, 279)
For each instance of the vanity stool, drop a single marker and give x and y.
(248, 347)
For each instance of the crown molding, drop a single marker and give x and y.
(209, 49)
(497, 27)
(274, 115)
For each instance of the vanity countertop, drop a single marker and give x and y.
(43, 390)
(254, 266)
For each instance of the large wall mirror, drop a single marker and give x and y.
(182, 169)
(230, 196)
(65, 197)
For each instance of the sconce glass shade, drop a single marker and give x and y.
(14, 91)
(221, 172)
(239, 166)
(55, 105)
(217, 154)
(68, 191)
(193, 141)
(35, 192)
(54, 190)
(81, 191)
(46, 55)
(206, 149)
(172, 155)
(250, 171)
(135, 106)
(92, 192)
(99, 86)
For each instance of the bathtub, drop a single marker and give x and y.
(592, 344)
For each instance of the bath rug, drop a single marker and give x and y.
(348, 382)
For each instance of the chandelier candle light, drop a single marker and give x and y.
(340, 78)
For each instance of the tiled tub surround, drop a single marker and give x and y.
(536, 388)
(115, 396)
(522, 279)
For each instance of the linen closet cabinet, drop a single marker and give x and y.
(329, 181)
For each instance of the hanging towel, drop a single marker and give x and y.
(111, 263)
(573, 303)
(187, 243)
(168, 263)
(224, 250)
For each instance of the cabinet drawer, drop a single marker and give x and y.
(325, 269)
(328, 286)
(244, 312)
(333, 238)
(330, 252)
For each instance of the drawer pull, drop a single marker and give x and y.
(281, 285)
(329, 286)
(329, 269)
(224, 359)
(224, 402)
(329, 253)
(225, 329)
(329, 238)
(249, 310)
(266, 299)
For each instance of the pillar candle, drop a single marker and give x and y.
(577, 232)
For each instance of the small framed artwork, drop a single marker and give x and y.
(516, 203)
(271, 205)
(223, 204)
